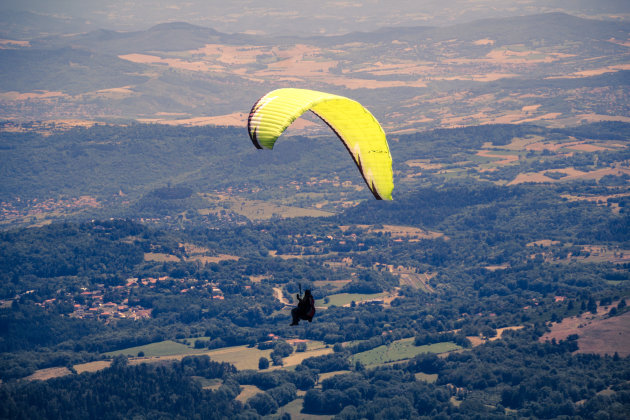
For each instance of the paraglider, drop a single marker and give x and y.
(305, 308)
(355, 126)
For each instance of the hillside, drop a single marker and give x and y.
(555, 70)
(50, 172)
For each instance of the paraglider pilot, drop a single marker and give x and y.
(305, 308)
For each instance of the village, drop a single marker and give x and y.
(99, 303)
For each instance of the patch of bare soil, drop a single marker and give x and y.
(334, 285)
(497, 267)
(572, 174)
(221, 257)
(586, 147)
(482, 77)
(11, 43)
(176, 63)
(92, 366)
(505, 159)
(594, 72)
(238, 119)
(477, 340)
(38, 94)
(597, 117)
(484, 41)
(49, 373)
(530, 108)
(514, 56)
(277, 293)
(575, 145)
(543, 242)
(597, 334)
(408, 232)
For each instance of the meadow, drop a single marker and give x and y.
(400, 350)
(344, 299)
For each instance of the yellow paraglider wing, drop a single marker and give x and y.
(354, 125)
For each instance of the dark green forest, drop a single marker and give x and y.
(525, 256)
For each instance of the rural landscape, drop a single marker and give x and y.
(150, 255)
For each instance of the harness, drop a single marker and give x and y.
(311, 311)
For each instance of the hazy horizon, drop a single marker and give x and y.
(278, 17)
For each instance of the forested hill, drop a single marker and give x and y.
(201, 173)
(500, 211)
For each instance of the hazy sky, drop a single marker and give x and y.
(295, 17)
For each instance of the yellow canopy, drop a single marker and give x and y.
(354, 125)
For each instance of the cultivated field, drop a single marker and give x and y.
(162, 348)
(49, 373)
(92, 366)
(332, 284)
(160, 257)
(192, 253)
(345, 299)
(571, 175)
(400, 350)
(256, 210)
(243, 357)
(400, 232)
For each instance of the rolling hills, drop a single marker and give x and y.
(555, 70)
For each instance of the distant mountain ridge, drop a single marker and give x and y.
(279, 17)
(177, 36)
(556, 25)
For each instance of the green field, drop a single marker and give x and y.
(294, 408)
(426, 377)
(162, 348)
(342, 299)
(400, 350)
(242, 357)
(206, 383)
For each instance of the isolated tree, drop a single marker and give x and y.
(263, 363)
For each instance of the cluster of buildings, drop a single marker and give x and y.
(110, 310)
(92, 304)
(37, 208)
(93, 307)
